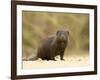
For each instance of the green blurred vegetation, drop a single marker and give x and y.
(39, 25)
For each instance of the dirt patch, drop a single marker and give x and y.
(70, 61)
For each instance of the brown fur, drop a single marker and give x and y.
(53, 46)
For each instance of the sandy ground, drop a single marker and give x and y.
(70, 61)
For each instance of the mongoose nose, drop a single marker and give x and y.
(62, 37)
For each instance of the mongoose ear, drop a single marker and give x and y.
(67, 32)
(57, 32)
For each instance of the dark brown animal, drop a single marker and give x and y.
(53, 46)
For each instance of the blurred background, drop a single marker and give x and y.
(39, 25)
